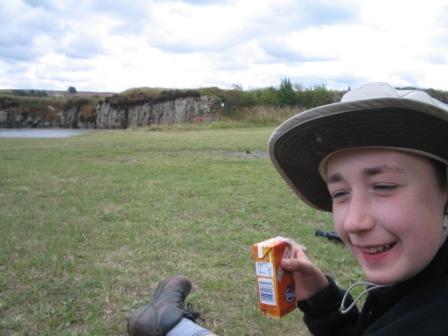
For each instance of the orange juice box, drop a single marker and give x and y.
(275, 287)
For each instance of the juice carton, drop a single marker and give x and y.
(275, 287)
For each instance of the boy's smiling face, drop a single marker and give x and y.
(389, 210)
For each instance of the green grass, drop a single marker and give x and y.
(90, 224)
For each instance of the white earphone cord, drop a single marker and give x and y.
(372, 287)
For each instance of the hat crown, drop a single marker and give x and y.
(383, 90)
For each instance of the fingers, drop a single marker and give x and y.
(298, 251)
(300, 265)
(296, 261)
(308, 278)
(288, 265)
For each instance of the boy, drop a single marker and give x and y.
(378, 161)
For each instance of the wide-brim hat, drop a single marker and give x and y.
(373, 116)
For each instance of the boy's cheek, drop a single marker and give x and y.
(339, 230)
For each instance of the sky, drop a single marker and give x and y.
(114, 45)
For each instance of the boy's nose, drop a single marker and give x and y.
(358, 217)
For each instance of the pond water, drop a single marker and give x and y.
(39, 132)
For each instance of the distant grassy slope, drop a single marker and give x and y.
(91, 224)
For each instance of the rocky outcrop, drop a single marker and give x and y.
(3, 118)
(167, 112)
(110, 113)
(108, 117)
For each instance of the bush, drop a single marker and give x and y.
(321, 96)
(8, 102)
(29, 93)
(139, 96)
(266, 97)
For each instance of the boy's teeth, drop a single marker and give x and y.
(378, 249)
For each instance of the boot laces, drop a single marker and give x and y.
(191, 314)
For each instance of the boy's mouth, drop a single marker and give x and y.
(378, 249)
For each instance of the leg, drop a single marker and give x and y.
(167, 313)
(187, 327)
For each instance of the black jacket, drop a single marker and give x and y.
(418, 306)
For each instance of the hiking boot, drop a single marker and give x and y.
(166, 311)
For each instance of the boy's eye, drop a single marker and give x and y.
(385, 187)
(338, 195)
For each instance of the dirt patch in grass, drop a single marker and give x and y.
(245, 154)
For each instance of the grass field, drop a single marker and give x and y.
(90, 224)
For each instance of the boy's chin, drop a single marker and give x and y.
(385, 278)
(381, 277)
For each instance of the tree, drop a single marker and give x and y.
(71, 89)
(286, 93)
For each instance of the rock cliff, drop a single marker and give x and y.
(115, 112)
(148, 113)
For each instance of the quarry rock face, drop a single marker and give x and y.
(109, 114)
(108, 117)
(68, 118)
(3, 118)
(167, 112)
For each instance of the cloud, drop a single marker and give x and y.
(183, 27)
(78, 46)
(47, 4)
(17, 53)
(308, 13)
(180, 27)
(204, 2)
(77, 29)
(288, 49)
(115, 45)
(19, 33)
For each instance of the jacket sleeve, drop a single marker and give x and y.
(322, 316)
